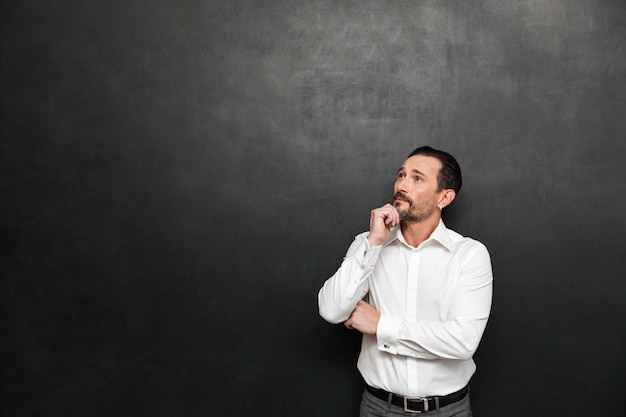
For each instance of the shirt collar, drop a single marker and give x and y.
(440, 234)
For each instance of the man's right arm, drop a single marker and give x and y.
(341, 292)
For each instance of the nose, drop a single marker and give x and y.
(402, 185)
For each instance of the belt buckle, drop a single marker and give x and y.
(409, 398)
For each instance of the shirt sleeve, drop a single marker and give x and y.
(456, 337)
(340, 293)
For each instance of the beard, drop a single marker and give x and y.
(416, 212)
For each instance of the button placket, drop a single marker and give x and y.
(414, 257)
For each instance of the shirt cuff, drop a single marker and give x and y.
(370, 255)
(387, 334)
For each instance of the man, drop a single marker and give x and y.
(419, 292)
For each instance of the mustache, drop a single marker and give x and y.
(403, 196)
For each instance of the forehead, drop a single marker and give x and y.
(427, 165)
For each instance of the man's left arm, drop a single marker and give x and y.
(457, 337)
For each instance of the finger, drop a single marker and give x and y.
(387, 220)
(391, 219)
(396, 215)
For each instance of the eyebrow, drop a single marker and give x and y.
(414, 171)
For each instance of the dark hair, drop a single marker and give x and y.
(449, 176)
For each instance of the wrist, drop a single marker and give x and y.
(374, 241)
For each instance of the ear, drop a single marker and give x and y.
(447, 196)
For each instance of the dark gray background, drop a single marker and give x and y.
(178, 179)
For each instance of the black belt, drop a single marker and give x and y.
(418, 404)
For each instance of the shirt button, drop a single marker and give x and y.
(386, 345)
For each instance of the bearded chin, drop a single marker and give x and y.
(413, 216)
(407, 216)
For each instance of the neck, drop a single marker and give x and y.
(416, 232)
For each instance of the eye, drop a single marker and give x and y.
(401, 175)
(418, 178)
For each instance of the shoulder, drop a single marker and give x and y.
(466, 245)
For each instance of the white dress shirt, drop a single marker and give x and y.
(434, 302)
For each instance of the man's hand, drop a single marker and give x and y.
(382, 220)
(364, 318)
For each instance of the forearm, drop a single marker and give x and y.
(341, 293)
(456, 339)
